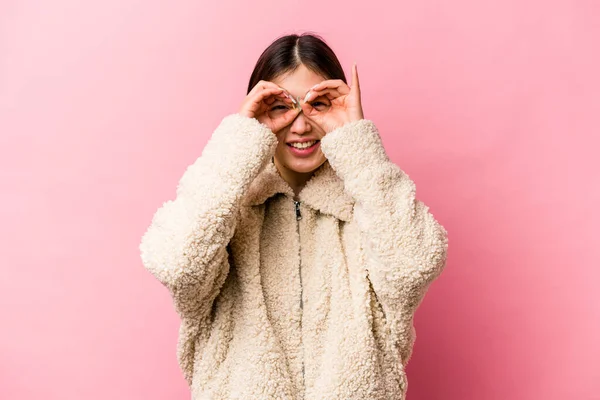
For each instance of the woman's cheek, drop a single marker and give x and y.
(281, 134)
(327, 124)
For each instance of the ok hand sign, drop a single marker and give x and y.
(332, 103)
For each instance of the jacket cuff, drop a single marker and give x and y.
(355, 150)
(239, 148)
(238, 138)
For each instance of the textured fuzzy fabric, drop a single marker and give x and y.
(275, 307)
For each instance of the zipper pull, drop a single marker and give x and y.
(298, 215)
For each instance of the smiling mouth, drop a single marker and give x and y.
(305, 145)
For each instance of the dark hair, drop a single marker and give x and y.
(288, 52)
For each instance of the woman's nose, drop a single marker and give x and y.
(300, 124)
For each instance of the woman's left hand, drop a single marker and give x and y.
(343, 103)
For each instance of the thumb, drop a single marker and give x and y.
(287, 118)
(306, 108)
(291, 114)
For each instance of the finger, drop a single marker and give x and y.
(355, 82)
(288, 96)
(308, 111)
(330, 83)
(278, 97)
(285, 119)
(306, 107)
(280, 94)
(261, 85)
(257, 101)
(332, 92)
(291, 114)
(266, 93)
(336, 84)
(329, 93)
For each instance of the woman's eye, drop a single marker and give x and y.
(279, 107)
(319, 105)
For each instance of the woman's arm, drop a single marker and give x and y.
(185, 246)
(405, 245)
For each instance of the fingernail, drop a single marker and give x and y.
(308, 96)
(291, 98)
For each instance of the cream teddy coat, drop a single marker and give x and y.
(285, 299)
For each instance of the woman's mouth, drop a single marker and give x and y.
(303, 149)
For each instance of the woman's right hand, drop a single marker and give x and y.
(260, 99)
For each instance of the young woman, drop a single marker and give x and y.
(295, 251)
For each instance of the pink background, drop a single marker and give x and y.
(492, 107)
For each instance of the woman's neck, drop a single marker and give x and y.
(296, 180)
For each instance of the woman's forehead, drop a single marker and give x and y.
(298, 82)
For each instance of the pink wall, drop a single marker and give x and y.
(491, 107)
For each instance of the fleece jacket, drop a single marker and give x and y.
(300, 298)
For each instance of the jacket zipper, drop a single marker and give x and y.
(298, 218)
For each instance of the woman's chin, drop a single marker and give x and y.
(304, 165)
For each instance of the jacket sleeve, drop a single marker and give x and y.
(185, 246)
(406, 247)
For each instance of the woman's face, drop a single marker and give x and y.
(297, 83)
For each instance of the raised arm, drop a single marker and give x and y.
(185, 246)
(406, 246)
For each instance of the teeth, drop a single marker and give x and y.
(303, 145)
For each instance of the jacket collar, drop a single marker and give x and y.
(324, 191)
